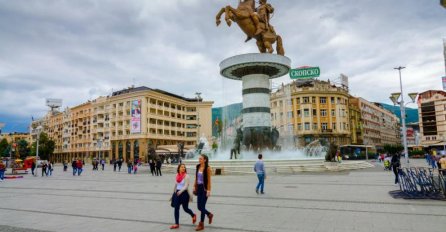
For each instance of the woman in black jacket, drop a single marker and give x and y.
(396, 164)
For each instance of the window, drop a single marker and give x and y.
(298, 113)
(290, 114)
(313, 100)
(306, 112)
(333, 113)
(307, 126)
(299, 126)
(332, 100)
(298, 100)
(333, 126)
(314, 112)
(306, 99)
(323, 113)
(323, 100)
(324, 126)
(314, 126)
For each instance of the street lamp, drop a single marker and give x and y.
(198, 118)
(38, 130)
(394, 97)
(99, 146)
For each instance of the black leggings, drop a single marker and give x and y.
(183, 199)
(395, 171)
(201, 201)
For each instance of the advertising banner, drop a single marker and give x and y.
(136, 117)
(443, 80)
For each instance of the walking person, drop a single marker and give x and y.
(158, 167)
(44, 166)
(103, 164)
(202, 188)
(2, 170)
(119, 164)
(129, 166)
(33, 167)
(442, 167)
(152, 167)
(135, 167)
(114, 165)
(49, 170)
(74, 166)
(181, 196)
(396, 164)
(259, 169)
(79, 165)
(65, 165)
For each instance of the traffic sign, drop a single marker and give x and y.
(304, 73)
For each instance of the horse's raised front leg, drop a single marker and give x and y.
(228, 15)
(217, 18)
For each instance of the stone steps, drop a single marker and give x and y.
(242, 167)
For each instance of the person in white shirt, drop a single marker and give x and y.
(182, 196)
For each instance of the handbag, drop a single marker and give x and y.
(174, 200)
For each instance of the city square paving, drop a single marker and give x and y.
(116, 201)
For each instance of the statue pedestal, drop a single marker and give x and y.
(255, 70)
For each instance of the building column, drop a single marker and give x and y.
(124, 150)
(132, 148)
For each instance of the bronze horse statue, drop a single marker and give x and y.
(243, 16)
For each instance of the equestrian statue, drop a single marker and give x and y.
(254, 22)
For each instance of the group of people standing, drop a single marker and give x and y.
(77, 166)
(155, 167)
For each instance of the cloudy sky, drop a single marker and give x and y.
(79, 50)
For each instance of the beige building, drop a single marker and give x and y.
(15, 137)
(311, 111)
(376, 126)
(432, 118)
(127, 123)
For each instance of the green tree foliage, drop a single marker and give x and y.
(393, 149)
(331, 153)
(4, 148)
(23, 148)
(46, 147)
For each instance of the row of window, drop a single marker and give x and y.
(306, 113)
(323, 126)
(304, 100)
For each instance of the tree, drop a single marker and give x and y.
(46, 147)
(393, 149)
(23, 148)
(4, 147)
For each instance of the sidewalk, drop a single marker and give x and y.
(107, 201)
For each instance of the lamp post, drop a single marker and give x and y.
(394, 97)
(198, 118)
(99, 148)
(38, 130)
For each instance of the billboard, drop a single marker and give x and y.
(443, 80)
(53, 103)
(136, 117)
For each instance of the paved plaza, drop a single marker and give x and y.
(108, 201)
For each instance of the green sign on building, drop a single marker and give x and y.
(304, 73)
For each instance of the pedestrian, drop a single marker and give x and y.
(74, 166)
(114, 165)
(129, 166)
(65, 165)
(181, 196)
(79, 165)
(49, 170)
(259, 168)
(442, 164)
(2, 170)
(158, 167)
(119, 164)
(44, 166)
(103, 164)
(33, 167)
(152, 167)
(396, 164)
(135, 168)
(202, 188)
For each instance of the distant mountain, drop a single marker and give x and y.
(14, 123)
(412, 114)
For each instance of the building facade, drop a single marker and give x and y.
(126, 124)
(372, 124)
(432, 118)
(311, 111)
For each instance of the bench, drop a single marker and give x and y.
(16, 170)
